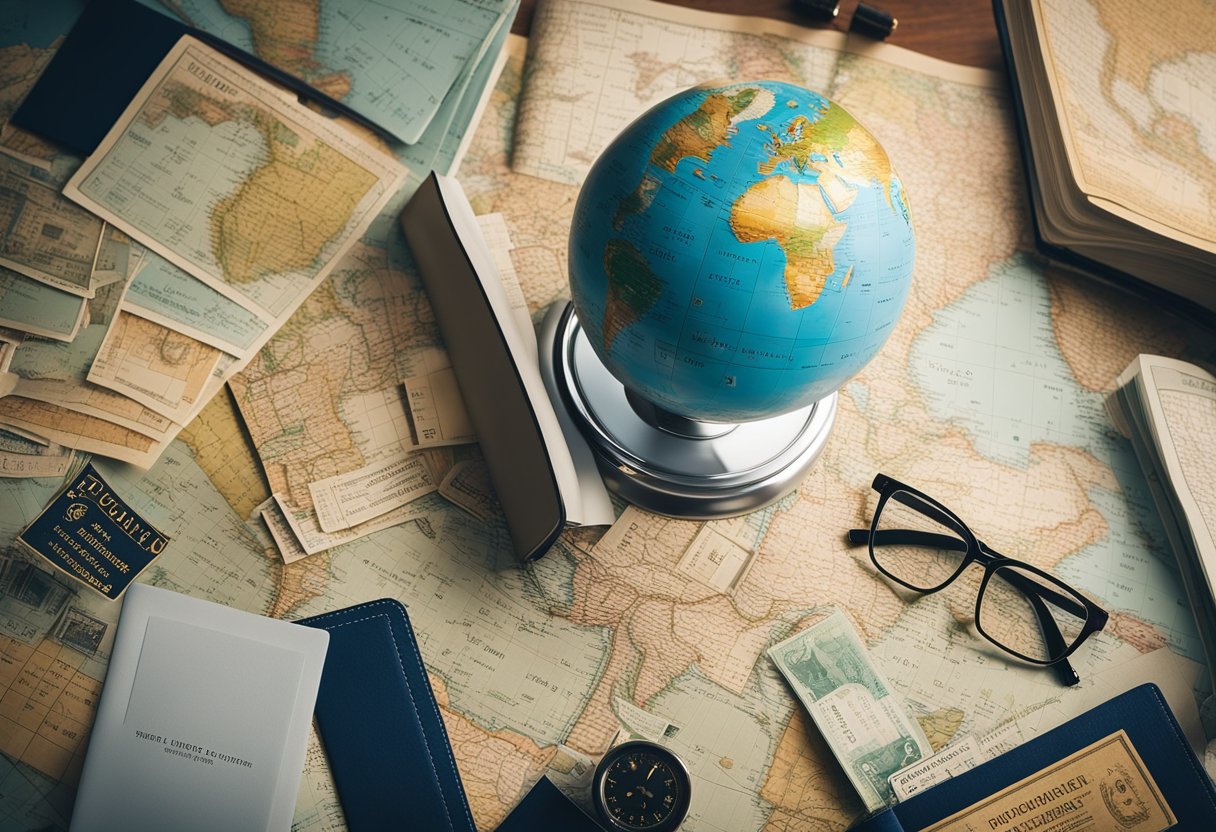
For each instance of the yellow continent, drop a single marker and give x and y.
(796, 216)
(322, 188)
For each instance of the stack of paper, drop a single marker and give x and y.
(354, 409)
(1168, 410)
(214, 206)
(418, 69)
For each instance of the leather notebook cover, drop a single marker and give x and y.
(1126, 764)
(545, 807)
(380, 726)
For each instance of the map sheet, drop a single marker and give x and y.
(988, 396)
(283, 193)
(396, 64)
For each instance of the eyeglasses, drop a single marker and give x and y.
(922, 545)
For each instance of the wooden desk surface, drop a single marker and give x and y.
(960, 31)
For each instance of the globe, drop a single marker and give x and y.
(740, 251)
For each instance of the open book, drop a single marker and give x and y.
(1116, 104)
(1168, 410)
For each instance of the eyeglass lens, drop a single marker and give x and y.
(915, 543)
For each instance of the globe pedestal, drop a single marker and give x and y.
(669, 464)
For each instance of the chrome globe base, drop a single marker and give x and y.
(669, 464)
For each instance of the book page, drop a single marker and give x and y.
(1180, 400)
(1132, 89)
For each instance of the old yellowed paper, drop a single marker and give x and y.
(1104, 786)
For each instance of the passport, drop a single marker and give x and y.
(1124, 765)
(90, 533)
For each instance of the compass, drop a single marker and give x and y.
(641, 785)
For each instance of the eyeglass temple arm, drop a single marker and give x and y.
(1055, 640)
(914, 537)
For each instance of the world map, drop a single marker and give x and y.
(987, 396)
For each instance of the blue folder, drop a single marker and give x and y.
(382, 731)
(1149, 725)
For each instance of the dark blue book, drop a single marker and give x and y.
(1124, 765)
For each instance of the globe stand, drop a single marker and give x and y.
(670, 464)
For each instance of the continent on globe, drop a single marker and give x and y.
(740, 251)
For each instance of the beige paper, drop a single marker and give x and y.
(1104, 787)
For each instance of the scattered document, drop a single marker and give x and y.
(163, 370)
(346, 500)
(437, 409)
(715, 559)
(1167, 408)
(168, 295)
(39, 309)
(397, 65)
(42, 235)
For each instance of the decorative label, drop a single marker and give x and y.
(91, 534)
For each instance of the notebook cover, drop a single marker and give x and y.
(380, 726)
(545, 807)
(1141, 713)
(203, 720)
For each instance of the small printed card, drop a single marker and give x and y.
(90, 533)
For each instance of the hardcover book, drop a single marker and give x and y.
(203, 719)
(1115, 116)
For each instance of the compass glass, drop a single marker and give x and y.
(642, 786)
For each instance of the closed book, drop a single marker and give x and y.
(203, 719)
(1123, 766)
(381, 728)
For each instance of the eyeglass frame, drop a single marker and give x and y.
(1095, 618)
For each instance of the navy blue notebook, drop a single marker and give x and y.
(1124, 765)
(382, 731)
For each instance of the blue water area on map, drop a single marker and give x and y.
(37, 24)
(990, 364)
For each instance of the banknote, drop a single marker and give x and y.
(855, 708)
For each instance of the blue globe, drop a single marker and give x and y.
(740, 251)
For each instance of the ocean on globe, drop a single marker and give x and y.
(740, 251)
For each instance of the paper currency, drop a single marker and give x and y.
(961, 755)
(852, 705)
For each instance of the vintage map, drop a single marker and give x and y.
(988, 396)
(384, 60)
